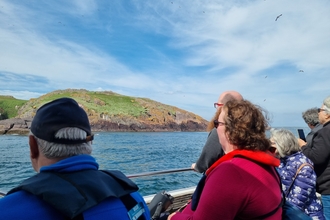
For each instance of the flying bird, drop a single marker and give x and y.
(278, 17)
(301, 71)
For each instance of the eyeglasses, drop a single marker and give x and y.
(218, 123)
(320, 109)
(217, 105)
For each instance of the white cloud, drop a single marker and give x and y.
(183, 54)
(24, 95)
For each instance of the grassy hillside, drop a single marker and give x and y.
(104, 105)
(109, 111)
(102, 102)
(9, 106)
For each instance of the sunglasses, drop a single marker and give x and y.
(217, 105)
(218, 123)
(320, 109)
(272, 149)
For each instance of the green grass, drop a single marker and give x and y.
(107, 103)
(112, 103)
(9, 106)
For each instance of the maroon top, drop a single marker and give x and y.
(237, 187)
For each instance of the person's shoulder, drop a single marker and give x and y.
(233, 165)
(23, 205)
(227, 171)
(213, 139)
(302, 162)
(137, 196)
(16, 196)
(318, 127)
(213, 133)
(325, 128)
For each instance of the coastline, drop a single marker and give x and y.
(21, 126)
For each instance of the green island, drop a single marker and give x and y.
(107, 111)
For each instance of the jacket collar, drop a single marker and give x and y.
(262, 157)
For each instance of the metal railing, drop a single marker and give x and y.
(158, 172)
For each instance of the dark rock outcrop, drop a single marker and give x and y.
(15, 126)
(171, 126)
(21, 126)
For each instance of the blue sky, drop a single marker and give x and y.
(181, 53)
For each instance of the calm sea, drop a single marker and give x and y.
(128, 152)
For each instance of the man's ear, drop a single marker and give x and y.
(34, 150)
(327, 116)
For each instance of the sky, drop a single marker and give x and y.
(276, 53)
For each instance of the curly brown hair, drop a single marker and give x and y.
(245, 125)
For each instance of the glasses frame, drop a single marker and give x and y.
(320, 110)
(218, 123)
(217, 105)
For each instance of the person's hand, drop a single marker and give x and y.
(193, 166)
(301, 142)
(170, 216)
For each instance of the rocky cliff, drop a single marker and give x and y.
(108, 111)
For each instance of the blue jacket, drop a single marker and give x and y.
(72, 187)
(303, 191)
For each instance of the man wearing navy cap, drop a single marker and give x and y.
(68, 184)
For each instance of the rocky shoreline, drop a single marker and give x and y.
(21, 126)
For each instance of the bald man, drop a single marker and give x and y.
(212, 149)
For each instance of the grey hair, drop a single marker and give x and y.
(54, 150)
(326, 105)
(286, 143)
(311, 116)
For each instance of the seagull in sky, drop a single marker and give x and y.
(278, 17)
(301, 71)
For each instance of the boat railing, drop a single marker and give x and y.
(152, 173)
(181, 196)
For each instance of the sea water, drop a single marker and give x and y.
(129, 152)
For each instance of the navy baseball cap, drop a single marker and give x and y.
(58, 114)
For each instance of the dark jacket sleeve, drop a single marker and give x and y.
(319, 150)
(211, 152)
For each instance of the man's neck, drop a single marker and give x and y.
(44, 161)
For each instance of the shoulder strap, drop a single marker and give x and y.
(135, 210)
(298, 170)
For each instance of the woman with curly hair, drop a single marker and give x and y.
(243, 184)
